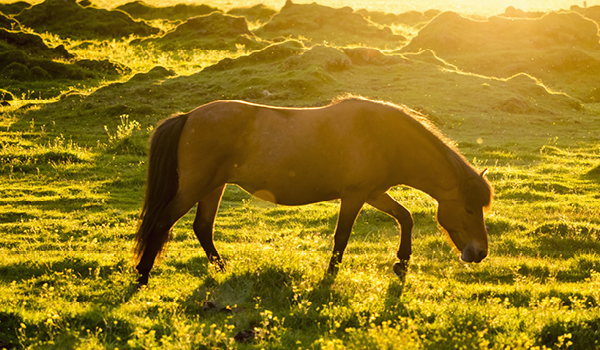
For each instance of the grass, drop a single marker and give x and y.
(73, 173)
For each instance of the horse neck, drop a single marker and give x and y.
(439, 176)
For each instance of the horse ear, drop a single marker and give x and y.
(484, 172)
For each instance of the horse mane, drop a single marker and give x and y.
(475, 186)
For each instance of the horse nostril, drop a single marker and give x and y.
(469, 254)
(481, 255)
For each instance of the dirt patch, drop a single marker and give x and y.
(215, 31)
(68, 19)
(319, 24)
(179, 12)
(258, 13)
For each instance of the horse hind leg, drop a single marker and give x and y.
(204, 225)
(390, 206)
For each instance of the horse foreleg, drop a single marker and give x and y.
(349, 210)
(390, 206)
(204, 224)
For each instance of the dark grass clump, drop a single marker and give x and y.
(27, 64)
(20, 66)
(8, 22)
(179, 12)
(6, 97)
(68, 19)
(32, 44)
(14, 8)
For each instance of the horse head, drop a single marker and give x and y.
(462, 218)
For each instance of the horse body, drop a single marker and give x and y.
(354, 150)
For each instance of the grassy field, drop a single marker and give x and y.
(72, 176)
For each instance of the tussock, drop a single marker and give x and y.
(322, 24)
(215, 31)
(548, 47)
(410, 18)
(181, 12)
(257, 13)
(68, 19)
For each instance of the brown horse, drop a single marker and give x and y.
(354, 150)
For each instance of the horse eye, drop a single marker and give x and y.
(469, 211)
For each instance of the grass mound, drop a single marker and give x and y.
(28, 64)
(258, 13)
(289, 73)
(8, 22)
(68, 19)
(451, 34)
(592, 12)
(30, 43)
(19, 66)
(513, 12)
(322, 24)
(550, 48)
(14, 8)
(410, 18)
(215, 31)
(269, 54)
(179, 12)
(6, 97)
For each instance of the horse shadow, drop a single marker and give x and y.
(272, 287)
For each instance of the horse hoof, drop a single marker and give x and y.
(400, 269)
(143, 280)
(333, 268)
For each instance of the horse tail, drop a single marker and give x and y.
(162, 183)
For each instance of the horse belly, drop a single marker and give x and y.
(287, 187)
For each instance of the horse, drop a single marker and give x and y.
(353, 149)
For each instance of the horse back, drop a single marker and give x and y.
(297, 155)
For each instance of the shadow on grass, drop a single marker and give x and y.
(87, 280)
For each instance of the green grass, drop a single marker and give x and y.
(72, 172)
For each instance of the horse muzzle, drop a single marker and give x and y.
(472, 254)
